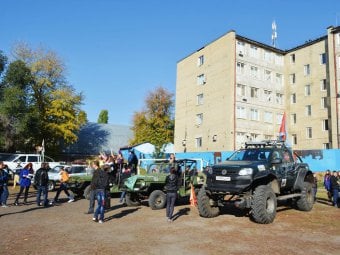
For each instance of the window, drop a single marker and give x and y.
(198, 142)
(241, 112)
(323, 58)
(200, 60)
(278, 59)
(323, 85)
(201, 79)
(307, 90)
(292, 58)
(267, 75)
(267, 55)
(279, 98)
(338, 38)
(278, 79)
(325, 125)
(267, 96)
(199, 99)
(240, 68)
(199, 119)
(254, 92)
(293, 118)
(294, 139)
(325, 146)
(309, 133)
(241, 90)
(292, 78)
(253, 51)
(323, 102)
(308, 110)
(279, 118)
(253, 136)
(32, 159)
(253, 71)
(268, 117)
(293, 98)
(306, 70)
(240, 47)
(254, 114)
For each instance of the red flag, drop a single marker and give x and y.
(283, 131)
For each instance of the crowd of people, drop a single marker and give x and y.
(112, 168)
(331, 182)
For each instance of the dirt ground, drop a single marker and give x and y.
(65, 229)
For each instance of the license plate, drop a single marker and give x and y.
(222, 178)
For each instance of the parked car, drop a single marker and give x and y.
(17, 161)
(73, 170)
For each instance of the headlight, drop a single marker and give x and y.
(245, 171)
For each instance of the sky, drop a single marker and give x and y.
(118, 51)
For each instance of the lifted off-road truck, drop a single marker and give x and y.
(256, 177)
(150, 185)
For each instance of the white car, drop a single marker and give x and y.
(73, 170)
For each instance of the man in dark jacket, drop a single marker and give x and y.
(99, 183)
(3, 185)
(335, 188)
(171, 187)
(41, 182)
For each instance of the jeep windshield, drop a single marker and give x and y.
(251, 155)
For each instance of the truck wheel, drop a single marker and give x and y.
(157, 200)
(51, 186)
(263, 209)
(87, 192)
(305, 202)
(131, 199)
(205, 205)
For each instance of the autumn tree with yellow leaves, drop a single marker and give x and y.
(155, 123)
(38, 102)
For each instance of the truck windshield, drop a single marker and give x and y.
(251, 155)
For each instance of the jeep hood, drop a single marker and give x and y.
(131, 181)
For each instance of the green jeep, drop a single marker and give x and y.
(150, 182)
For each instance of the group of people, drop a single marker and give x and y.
(331, 183)
(41, 181)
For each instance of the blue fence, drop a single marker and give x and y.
(318, 160)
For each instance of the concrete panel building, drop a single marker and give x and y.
(235, 89)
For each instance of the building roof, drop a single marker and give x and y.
(94, 138)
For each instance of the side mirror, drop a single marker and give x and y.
(276, 161)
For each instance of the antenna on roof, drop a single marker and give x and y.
(274, 34)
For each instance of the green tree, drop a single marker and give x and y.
(3, 61)
(155, 124)
(50, 98)
(103, 117)
(18, 119)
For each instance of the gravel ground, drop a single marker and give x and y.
(66, 229)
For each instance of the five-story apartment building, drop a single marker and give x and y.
(235, 90)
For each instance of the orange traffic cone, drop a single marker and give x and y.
(193, 199)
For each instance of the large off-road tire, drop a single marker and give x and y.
(87, 192)
(157, 200)
(264, 205)
(51, 186)
(306, 201)
(205, 205)
(131, 199)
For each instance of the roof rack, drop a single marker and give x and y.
(265, 143)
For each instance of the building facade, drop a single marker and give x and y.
(235, 90)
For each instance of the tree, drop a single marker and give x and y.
(18, 120)
(103, 117)
(155, 124)
(3, 61)
(50, 101)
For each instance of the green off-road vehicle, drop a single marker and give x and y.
(150, 182)
(256, 177)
